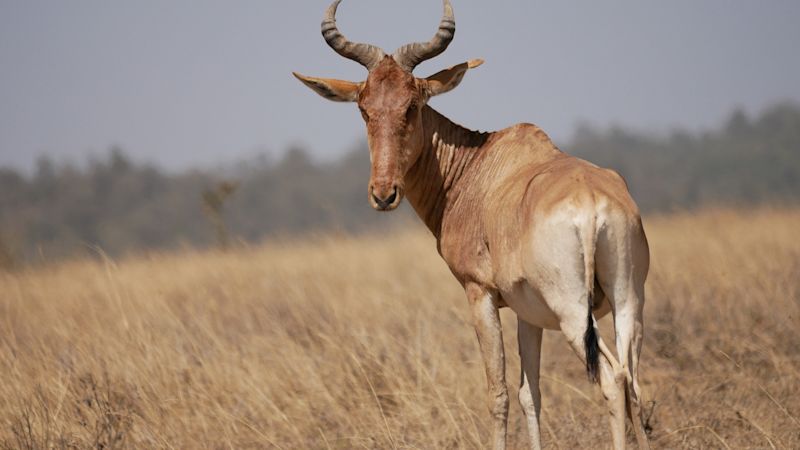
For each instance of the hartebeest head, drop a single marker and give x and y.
(391, 100)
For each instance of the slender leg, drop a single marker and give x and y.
(628, 329)
(635, 393)
(611, 384)
(486, 319)
(622, 260)
(530, 398)
(613, 387)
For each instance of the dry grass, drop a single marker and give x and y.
(339, 342)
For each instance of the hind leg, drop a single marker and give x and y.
(635, 406)
(622, 275)
(628, 328)
(612, 384)
(530, 398)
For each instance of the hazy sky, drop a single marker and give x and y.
(197, 82)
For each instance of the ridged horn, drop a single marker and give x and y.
(366, 55)
(410, 55)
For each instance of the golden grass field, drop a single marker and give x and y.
(364, 342)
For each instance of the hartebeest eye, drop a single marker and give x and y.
(412, 108)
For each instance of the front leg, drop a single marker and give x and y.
(486, 319)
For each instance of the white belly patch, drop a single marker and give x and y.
(530, 307)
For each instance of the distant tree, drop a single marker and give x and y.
(737, 124)
(213, 202)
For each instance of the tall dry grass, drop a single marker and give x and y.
(344, 342)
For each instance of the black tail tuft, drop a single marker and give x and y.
(592, 348)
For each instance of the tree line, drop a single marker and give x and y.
(115, 205)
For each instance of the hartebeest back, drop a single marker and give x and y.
(520, 224)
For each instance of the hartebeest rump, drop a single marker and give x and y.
(520, 224)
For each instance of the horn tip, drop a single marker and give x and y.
(473, 63)
(332, 9)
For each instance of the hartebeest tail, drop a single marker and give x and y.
(588, 238)
(590, 342)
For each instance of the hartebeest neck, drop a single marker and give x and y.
(448, 152)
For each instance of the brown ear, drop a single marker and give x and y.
(447, 79)
(335, 90)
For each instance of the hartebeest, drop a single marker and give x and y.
(520, 224)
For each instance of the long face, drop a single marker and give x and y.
(391, 100)
(391, 104)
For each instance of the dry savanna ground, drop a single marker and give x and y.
(344, 342)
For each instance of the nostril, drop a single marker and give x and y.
(392, 197)
(378, 201)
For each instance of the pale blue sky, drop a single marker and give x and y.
(197, 82)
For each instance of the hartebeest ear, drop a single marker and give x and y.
(336, 90)
(447, 79)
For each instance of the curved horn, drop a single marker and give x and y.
(367, 55)
(410, 55)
